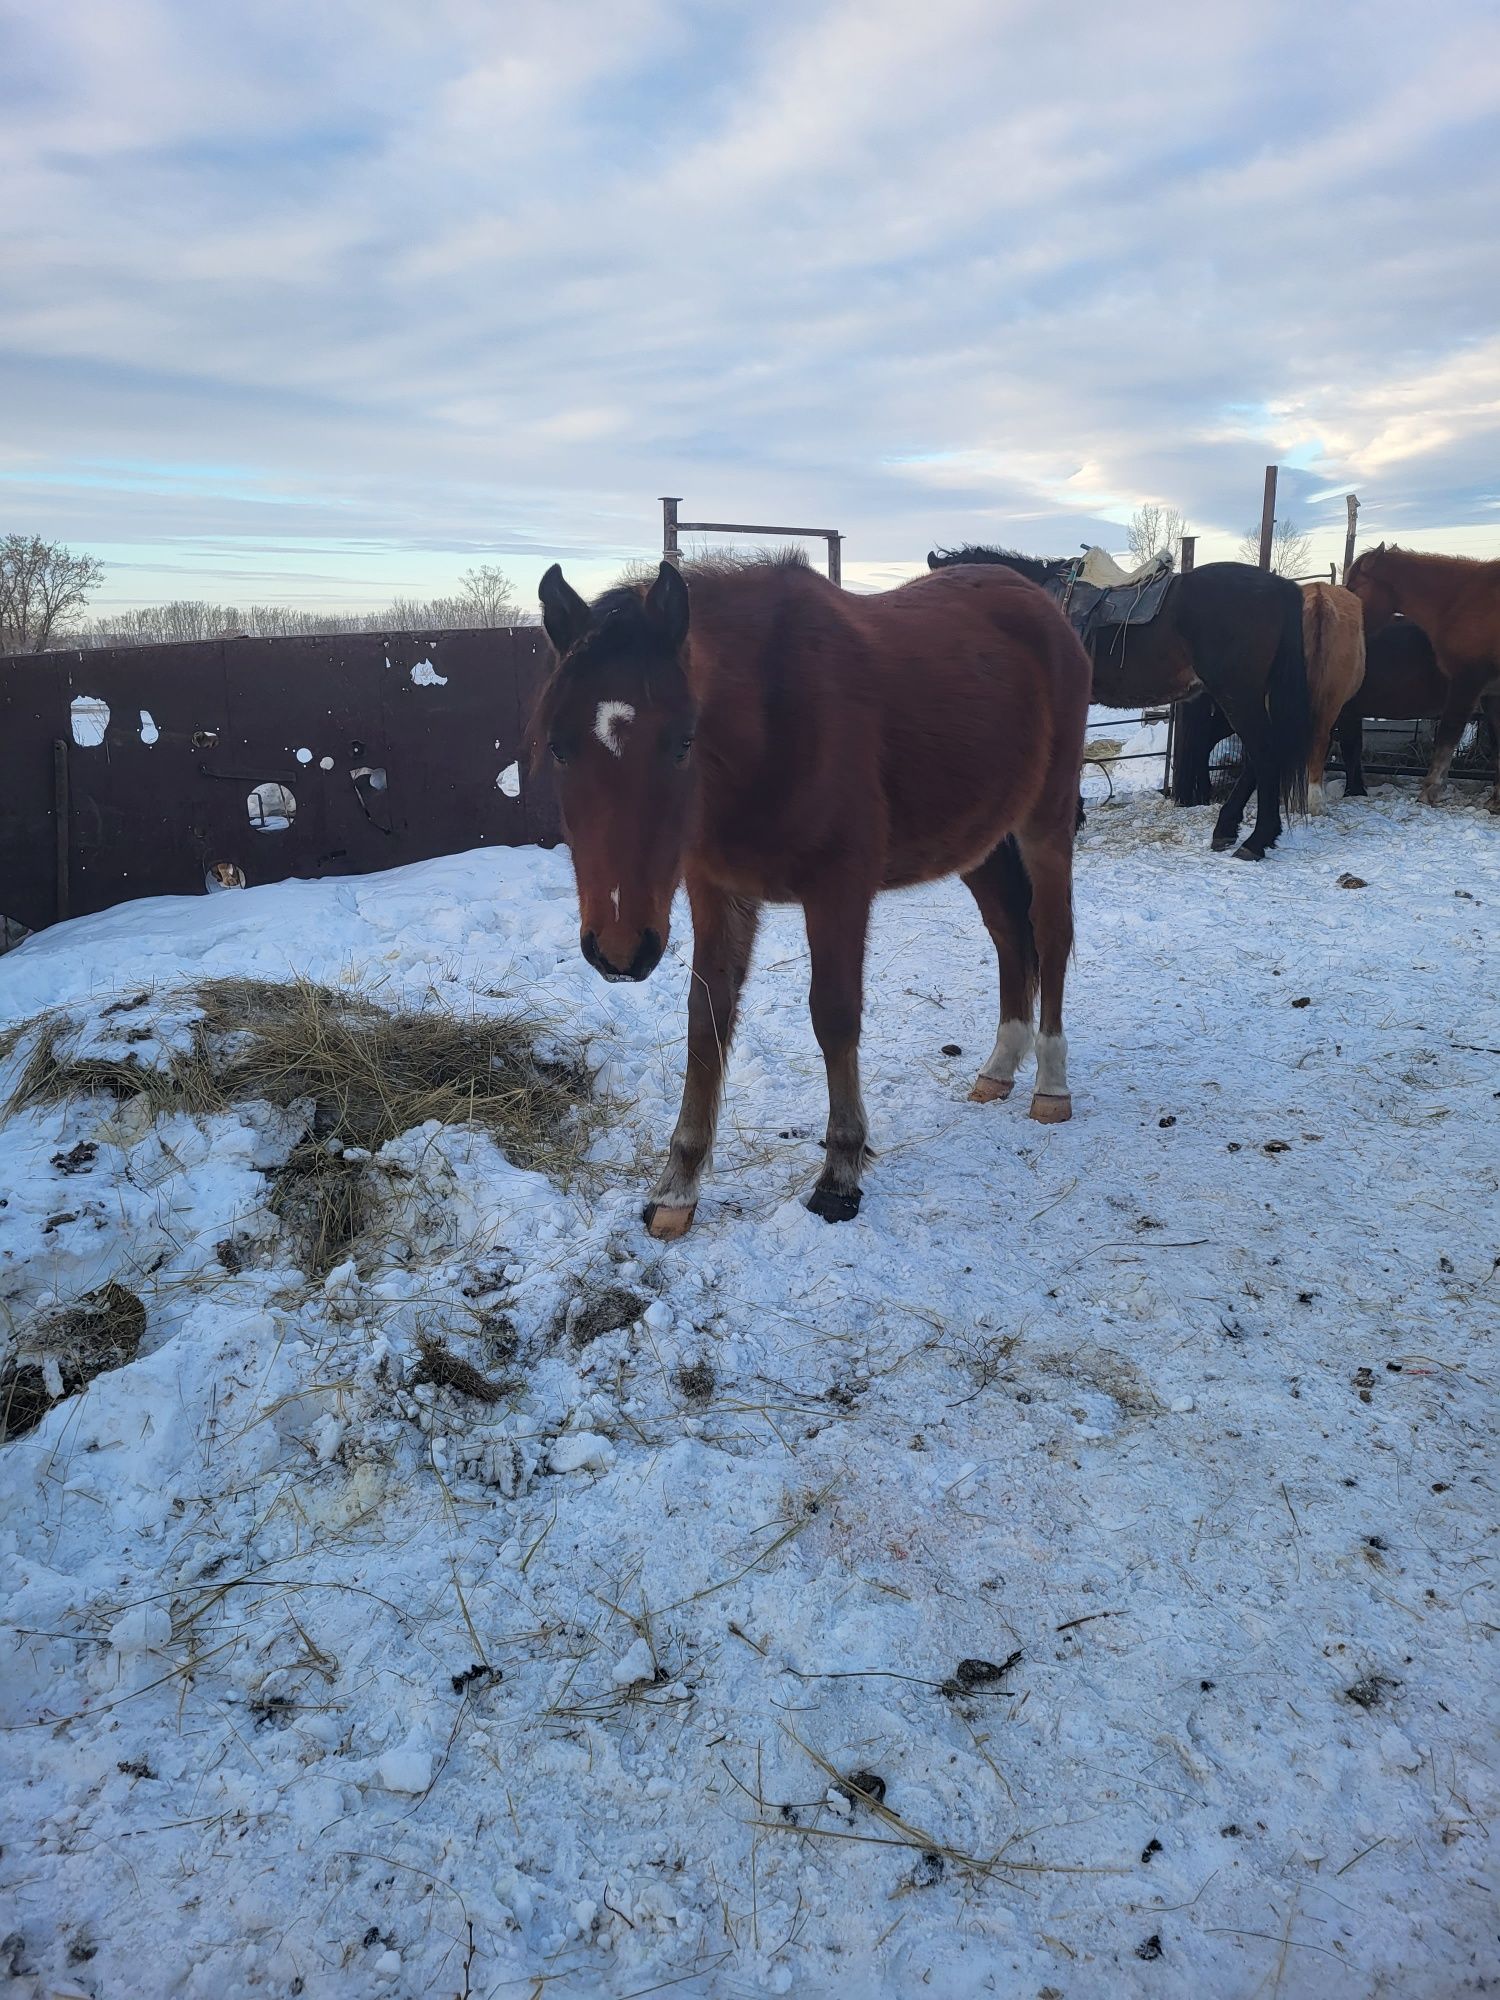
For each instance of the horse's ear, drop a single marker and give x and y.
(932, 561)
(564, 613)
(666, 605)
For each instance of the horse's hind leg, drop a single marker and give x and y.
(1000, 887)
(837, 919)
(723, 937)
(1048, 859)
(1261, 775)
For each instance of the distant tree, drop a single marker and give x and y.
(488, 595)
(41, 583)
(1154, 527)
(484, 598)
(1291, 549)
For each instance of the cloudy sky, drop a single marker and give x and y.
(322, 302)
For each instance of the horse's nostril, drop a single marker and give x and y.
(647, 956)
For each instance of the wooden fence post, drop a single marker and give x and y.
(836, 559)
(1189, 550)
(670, 552)
(1268, 518)
(1351, 501)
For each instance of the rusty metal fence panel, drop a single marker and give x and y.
(259, 759)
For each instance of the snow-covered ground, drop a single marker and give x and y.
(1178, 1416)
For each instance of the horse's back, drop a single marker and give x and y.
(922, 723)
(985, 691)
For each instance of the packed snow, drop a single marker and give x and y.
(1074, 1577)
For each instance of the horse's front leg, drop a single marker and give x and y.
(723, 938)
(836, 926)
(1490, 703)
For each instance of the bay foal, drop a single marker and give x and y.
(758, 734)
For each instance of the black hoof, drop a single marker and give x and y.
(1249, 853)
(1222, 842)
(833, 1205)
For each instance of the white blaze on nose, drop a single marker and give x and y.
(609, 719)
(614, 897)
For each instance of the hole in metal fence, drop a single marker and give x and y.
(223, 875)
(90, 720)
(271, 807)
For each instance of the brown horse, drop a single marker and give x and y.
(764, 737)
(1333, 637)
(1402, 683)
(1456, 601)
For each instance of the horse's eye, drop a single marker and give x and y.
(684, 745)
(558, 756)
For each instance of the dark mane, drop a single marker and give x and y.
(728, 563)
(1038, 568)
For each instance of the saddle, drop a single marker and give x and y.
(1093, 591)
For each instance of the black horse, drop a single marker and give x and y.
(1227, 627)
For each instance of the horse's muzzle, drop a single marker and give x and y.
(647, 957)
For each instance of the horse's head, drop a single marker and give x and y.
(1371, 581)
(617, 718)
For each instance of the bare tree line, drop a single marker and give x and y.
(44, 587)
(484, 599)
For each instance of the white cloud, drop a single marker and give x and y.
(460, 276)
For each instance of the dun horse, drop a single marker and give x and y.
(1227, 627)
(764, 737)
(1333, 634)
(1456, 601)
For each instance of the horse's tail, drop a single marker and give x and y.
(1289, 704)
(1013, 886)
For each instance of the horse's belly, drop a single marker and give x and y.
(1141, 675)
(950, 826)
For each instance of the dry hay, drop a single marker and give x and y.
(594, 1313)
(64, 1352)
(358, 1074)
(438, 1364)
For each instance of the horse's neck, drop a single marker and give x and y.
(1425, 588)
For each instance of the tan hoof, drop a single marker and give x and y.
(668, 1225)
(990, 1089)
(1052, 1110)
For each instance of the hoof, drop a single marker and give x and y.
(1429, 796)
(1052, 1110)
(1493, 804)
(1222, 842)
(833, 1205)
(1248, 853)
(667, 1225)
(990, 1089)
